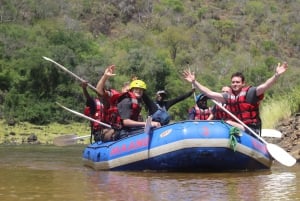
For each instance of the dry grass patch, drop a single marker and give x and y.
(45, 134)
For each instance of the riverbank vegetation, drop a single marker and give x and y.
(153, 40)
(279, 108)
(24, 132)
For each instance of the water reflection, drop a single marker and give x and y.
(194, 186)
(52, 173)
(279, 185)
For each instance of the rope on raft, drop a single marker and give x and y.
(234, 132)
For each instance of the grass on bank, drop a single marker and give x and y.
(45, 134)
(279, 108)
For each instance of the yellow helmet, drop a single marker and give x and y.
(138, 84)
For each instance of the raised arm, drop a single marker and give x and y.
(190, 77)
(173, 101)
(150, 105)
(109, 72)
(84, 90)
(266, 85)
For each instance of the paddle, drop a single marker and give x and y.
(66, 140)
(84, 116)
(148, 125)
(267, 132)
(74, 138)
(275, 151)
(69, 72)
(71, 139)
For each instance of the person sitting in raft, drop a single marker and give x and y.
(110, 98)
(200, 111)
(218, 113)
(94, 109)
(159, 109)
(129, 108)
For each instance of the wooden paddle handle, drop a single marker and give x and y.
(69, 72)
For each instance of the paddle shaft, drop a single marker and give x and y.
(69, 72)
(238, 120)
(195, 98)
(148, 125)
(65, 140)
(82, 137)
(84, 116)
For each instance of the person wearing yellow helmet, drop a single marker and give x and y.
(138, 84)
(129, 108)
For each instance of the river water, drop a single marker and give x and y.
(44, 173)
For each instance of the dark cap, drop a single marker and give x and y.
(161, 92)
(201, 97)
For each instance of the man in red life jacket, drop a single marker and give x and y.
(94, 109)
(200, 111)
(129, 108)
(244, 101)
(218, 113)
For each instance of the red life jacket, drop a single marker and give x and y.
(201, 114)
(135, 106)
(99, 114)
(114, 96)
(112, 116)
(219, 113)
(248, 113)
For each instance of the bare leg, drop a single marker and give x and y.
(235, 124)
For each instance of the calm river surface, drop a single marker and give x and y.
(40, 172)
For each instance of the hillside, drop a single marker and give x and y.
(154, 40)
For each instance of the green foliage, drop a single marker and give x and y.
(257, 10)
(281, 107)
(269, 45)
(176, 5)
(153, 40)
(294, 35)
(201, 12)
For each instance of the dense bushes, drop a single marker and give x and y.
(154, 40)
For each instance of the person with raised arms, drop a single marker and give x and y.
(159, 109)
(110, 98)
(244, 100)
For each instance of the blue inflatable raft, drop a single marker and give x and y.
(181, 146)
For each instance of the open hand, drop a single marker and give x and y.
(188, 75)
(109, 71)
(281, 68)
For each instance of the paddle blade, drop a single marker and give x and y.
(271, 133)
(148, 125)
(65, 140)
(281, 155)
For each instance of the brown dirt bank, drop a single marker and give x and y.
(290, 140)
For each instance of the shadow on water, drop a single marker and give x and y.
(36, 172)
